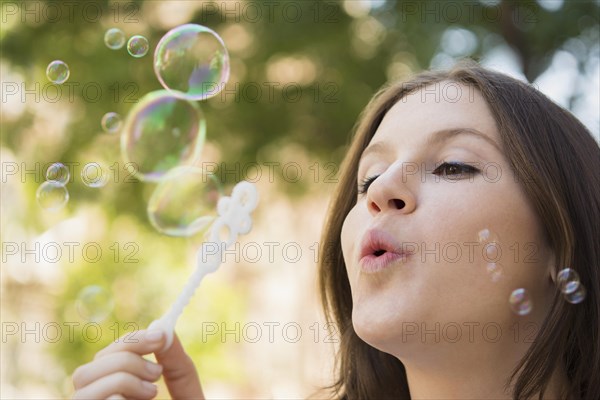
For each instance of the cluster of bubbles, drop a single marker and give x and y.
(162, 135)
(570, 286)
(52, 194)
(519, 300)
(94, 303)
(137, 45)
(491, 245)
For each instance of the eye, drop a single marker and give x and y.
(364, 185)
(455, 170)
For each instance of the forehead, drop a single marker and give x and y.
(439, 106)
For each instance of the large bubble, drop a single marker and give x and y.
(184, 202)
(192, 60)
(162, 131)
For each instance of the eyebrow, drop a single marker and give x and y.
(435, 138)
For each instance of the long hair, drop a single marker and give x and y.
(557, 162)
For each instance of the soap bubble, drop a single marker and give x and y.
(486, 236)
(114, 38)
(192, 60)
(111, 122)
(567, 280)
(94, 175)
(94, 303)
(52, 195)
(58, 173)
(137, 46)
(520, 302)
(162, 131)
(184, 202)
(577, 295)
(57, 72)
(495, 270)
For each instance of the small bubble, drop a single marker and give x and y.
(492, 251)
(495, 270)
(520, 302)
(94, 303)
(567, 280)
(111, 122)
(577, 295)
(57, 72)
(58, 173)
(94, 175)
(137, 46)
(486, 236)
(52, 195)
(114, 38)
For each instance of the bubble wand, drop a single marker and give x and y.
(234, 219)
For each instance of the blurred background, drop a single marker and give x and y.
(75, 279)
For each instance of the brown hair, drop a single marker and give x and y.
(557, 160)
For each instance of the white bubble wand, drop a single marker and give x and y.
(234, 219)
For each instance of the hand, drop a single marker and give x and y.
(120, 371)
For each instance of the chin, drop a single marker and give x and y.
(375, 328)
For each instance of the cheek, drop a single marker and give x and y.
(349, 237)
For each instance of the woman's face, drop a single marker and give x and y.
(434, 176)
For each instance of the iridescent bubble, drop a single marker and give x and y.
(94, 303)
(184, 202)
(492, 251)
(162, 131)
(520, 302)
(567, 280)
(114, 38)
(57, 72)
(192, 60)
(111, 122)
(94, 175)
(58, 173)
(52, 195)
(577, 295)
(495, 270)
(137, 46)
(486, 235)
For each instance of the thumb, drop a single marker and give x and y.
(179, 372)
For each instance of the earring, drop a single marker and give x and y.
(570, 286)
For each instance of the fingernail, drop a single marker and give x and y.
(154, 335)
(150, 387)
(153, 368)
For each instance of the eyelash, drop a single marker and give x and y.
(442, 169)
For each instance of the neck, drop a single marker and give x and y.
(468, 371)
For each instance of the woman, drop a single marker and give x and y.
(462, 196)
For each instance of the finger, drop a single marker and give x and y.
(115, 397)
(179, 371)
(139, 342)
(115, 362)
(121, 383)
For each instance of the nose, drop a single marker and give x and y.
(390, 193)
